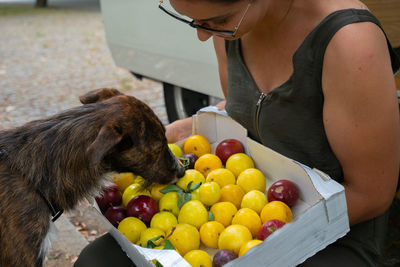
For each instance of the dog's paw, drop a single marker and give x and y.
(98, 95)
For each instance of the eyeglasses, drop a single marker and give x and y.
(198, 26)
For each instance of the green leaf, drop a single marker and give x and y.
(187, 197)
(156, 238)
(170, 188)
(211, 216)
(188, 186)
(168, 245)
(183, 197)
(159, 264)
(150, 242)
(185, 162)
(195, 186)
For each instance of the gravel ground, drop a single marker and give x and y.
(49, 57)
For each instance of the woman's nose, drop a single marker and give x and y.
(203, 35)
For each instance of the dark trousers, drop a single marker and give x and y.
(361, 247)
(103, 252)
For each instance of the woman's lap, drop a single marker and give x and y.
(106, 252)
(361, 247)
(103, 252)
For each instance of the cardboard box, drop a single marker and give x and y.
(320, 217)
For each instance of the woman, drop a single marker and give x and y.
(314, 81)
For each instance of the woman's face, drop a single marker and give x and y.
(219, 16)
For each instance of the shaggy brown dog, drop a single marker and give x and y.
(48, 165)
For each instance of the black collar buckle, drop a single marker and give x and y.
(55, 211)
(56, 215)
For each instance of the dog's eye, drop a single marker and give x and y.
(126, 143)
(118, 129)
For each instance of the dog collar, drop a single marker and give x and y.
(55, 211)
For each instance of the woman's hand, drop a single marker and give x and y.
(181, 129)
(178, 130)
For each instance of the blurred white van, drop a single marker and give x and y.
(151, 44)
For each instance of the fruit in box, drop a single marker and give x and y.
(184, 238)
(221, 176)
(131, 228)
(194, 213)
(233, 237)
(115, 215)
(236, 211)
(227, 148)
(255, 200)
(176, 150)
(209, 233)
(197, 144)
(132, 191)
(250, 244)
(223, 212)
(206, 163)
(239, 162)
(285, 191)
(123, 180)
(192, 160)
(276, 210)
(195, 194)
(268, 228)
(155, 191)
(169, 202)
(142, 207)
(110, 196)
(191, 175)
(163, 220)
(198, 258)
(209, 193)
(251, 179)
(249, 218)
(222, 257)
(232, 193)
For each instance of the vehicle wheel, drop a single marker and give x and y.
(182, 103)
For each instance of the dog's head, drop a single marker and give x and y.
(131, 139)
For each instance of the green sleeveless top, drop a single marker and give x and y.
(289, 120)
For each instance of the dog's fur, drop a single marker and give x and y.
(66, 157)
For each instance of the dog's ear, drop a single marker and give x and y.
(98, 95)
(108, 136)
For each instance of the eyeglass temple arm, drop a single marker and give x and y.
(240, 22)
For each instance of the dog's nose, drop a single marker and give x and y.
(180, 171)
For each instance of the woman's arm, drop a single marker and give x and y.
(361, 118)
(219, 46)
(178, 130)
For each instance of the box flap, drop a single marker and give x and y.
(276, 167)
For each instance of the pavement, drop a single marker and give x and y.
(49, 57)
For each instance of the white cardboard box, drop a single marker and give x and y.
(320, 217)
